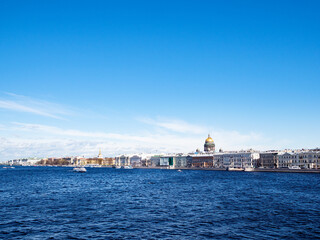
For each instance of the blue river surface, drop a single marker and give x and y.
(105, 203)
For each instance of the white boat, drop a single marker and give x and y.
(79, 169)
(294, 167)
(92, 165)
(248, 169)
(234, 169)
(179, 170)
(118, 167)
(128, 167)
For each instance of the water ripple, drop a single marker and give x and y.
(56, 203)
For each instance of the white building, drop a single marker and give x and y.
(24, 162)
(285, 159)
(236, 159)
(308, 159)
(122, 160)
(303, 159)
(174, 161)
(134, 160)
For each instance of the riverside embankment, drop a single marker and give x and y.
(280, 170)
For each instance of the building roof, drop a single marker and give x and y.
(209, 139)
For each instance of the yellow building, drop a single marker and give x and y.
(99, 160)
(110, 161)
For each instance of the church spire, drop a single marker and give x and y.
(100, 155)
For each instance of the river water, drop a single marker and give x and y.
(56, 203)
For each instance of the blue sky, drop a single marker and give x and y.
(146, 76)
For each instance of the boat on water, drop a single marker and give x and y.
(179, 170)
(231, 167)
(79, 169)
(294, 167)
(118, 167)
(234, 169)
(92, 165)
(248, 169)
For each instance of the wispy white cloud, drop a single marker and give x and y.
(175, 125)
(165, 135)
(10, 105)
(55, 146)
(74, 133)
(37, 134)
(38, 107)
(2, 127)
(44, 140)
(169, 141)
(237, 140)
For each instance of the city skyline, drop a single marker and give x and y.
(157, 77)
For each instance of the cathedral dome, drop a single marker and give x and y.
(209, 145)
(209, 139)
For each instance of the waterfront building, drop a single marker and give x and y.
(305, 159)
(209, 146)
(180, 161)
(94, 161)
(79, 161)
(189, 160)
(99, 160)
(154, 161)
(218, 160)
(174, 161)
(24, 162)
(123, 160)
(110, 161)
(268, 160)
(164, 161)
(146, 160)
(135, 160)
(56, 161)
(308, 160)
(285, 159)
(202, 160)
(236, 159)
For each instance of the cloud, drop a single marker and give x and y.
(74, 133)
(19, 147)
(2, 127)
(174, 125)
(44, 140)
(22, 108)
(149, 140)
(176, 136)
(34, 106)
(237, 140)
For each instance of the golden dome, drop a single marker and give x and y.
(209, 139)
